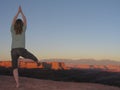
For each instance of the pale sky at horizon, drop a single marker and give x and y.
(70, 29)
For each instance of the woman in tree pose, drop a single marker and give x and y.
(18, 29)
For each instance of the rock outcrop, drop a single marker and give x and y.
(30, 64)
(60, 66)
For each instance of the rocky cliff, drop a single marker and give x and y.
(61, 66)
(44, 65)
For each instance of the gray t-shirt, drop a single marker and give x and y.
(18, 40)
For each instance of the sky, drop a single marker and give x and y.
(65, 29)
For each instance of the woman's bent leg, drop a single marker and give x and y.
(26, 54)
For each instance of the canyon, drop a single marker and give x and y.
(54, 65)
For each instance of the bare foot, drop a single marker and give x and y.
(17, 85)
(38, 63)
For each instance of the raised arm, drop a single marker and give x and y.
(15, 17)
(23, 16)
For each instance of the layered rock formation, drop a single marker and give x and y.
(30, 64)
(111, 68)
(61, 66)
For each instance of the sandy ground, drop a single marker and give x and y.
(8, 83)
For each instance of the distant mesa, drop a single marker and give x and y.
(110, 68)
(44, 65)
(55, 65)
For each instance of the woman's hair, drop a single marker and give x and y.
(18, 26)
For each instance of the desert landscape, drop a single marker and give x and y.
(76, 41)
(53, 75)
(111, 66)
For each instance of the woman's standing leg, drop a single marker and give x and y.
(16, 77)
(15, 57)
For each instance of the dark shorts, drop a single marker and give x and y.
(17, 52)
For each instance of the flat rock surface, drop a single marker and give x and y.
(8, 83)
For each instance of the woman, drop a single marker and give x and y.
(18, 29)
